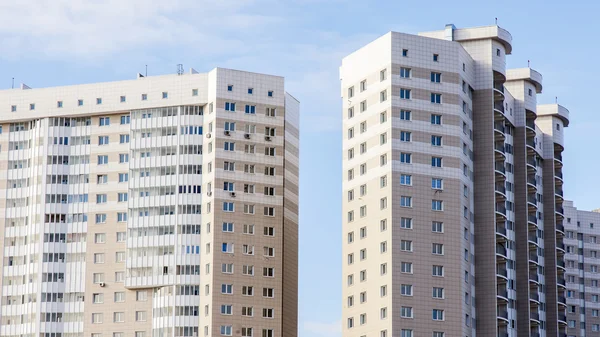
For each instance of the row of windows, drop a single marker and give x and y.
(405, 223)
(405, 312)
(122, 99)
(227, 330)
(405, 246)
(249, 109)
(250, 91)
(229, 248)
(248, 209)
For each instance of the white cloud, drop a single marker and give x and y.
(333, 329)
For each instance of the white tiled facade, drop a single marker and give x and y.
(448, 190)
(161, 206)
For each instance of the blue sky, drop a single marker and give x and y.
(60, 42)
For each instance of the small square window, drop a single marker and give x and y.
(144, 97)
(497, 52)
(436, 57)
(230, 87)
(123, 99)
(250, 91)
(405, 52)
(79, 102)
(194, 92)
(270, 93)
(13, 108)
(59, 104)
(31, 106)
(165, 95)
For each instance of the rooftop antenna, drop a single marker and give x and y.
(13, 83)
(556, 99)
(528, 63)
(180, 69)
(146, 71)
(496, 21)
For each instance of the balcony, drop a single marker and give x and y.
(499, 147)
(560, 264)
(561, 282)
(501, 229)
(560, 246)
(501, 250)
(531, 161)
(562, 318)
(558, 174)
(530, 123)
(501, 188)
(533, 219)
(533, 276)
(533, 239)
(558, 156)
(534, 296)
(502, 294)
(532, 199)
(560, 228)
(499, 167)
(530, 142)
(532, 181)
(503, 314)
(500, 208)
(533, 257)
(499, 107)
(559, 210)
(561, 300)
(534, 316)
(501, 271)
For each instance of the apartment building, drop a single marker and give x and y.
(452, 199)
(582, 245)
(159, 206)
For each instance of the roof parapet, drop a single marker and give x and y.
(525, 74)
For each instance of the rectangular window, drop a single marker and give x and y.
(437, 227)
(436, 140)
(437, 271)
(406, 290)
(437, 205)
(437, 249)
(405, 72)
(250, 109)
(363, 85)
(405, 136)
(436, 119)
(230, 106)
(406, 179)
(437, 315)
(405, 93)
(405, 115)
(123, 139)
(406, 333)
(405, 158)
(436, 98)
(405, 201)
(406, 223)
(436, 183)
(406, 267)
(383, 75)
(406, 312)
(406, 245)
(104, 121)
(436, 77)
(383, 96)
(436, 161)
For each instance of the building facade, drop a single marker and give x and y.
(161, 206)
(452, 199)
(581, 244)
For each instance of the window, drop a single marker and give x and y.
(119, 297)
(436, 98)
(406, 333)
(104, 121)
(226, 309)
(530, 92)
(406, 245)
(406, 223)
(436, 162)
(405, 93)
(270, 93)
(405, 72)
(363, 106)
(250, 109)
(141, 295)
(383, 96)
(437, 249)
(119, 317)
(406, 267)
(363, 85)
(405, 136)
(406, 179)
(144, 97)
(406, 312)
(405, 115)
(405, 158)
(436, 77)
(230, 87)
(350, 92)
(227, 247)
(100, 218)
(383, 75)
(405, 201)
(123, 158)
(98, 298)
(437, 205)
(101, 198)
(226, 330)
(122, 197)
(59, 104)
(350, 112)
(436, 57)
(437, 315)
(140, 316)
(437, 183)
(438, 271)
(436, 119)
(229, 106)
(406, 290)
(436, 140)
(383, 117)
(437, 227)
(227, 289)
(79, 102)
(13, 108)
(97, 318)
(228, 207)
(405, 54)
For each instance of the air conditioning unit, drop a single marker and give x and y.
(227, 133)
(102, 284)
(232, 194)
(268, 138)
(247, 136)
(209, 193)
(208, 135)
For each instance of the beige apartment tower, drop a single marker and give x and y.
(155, 207)
(452, 190)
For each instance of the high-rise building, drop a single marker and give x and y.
(582, 245)
(160, 206)
(452, 216)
